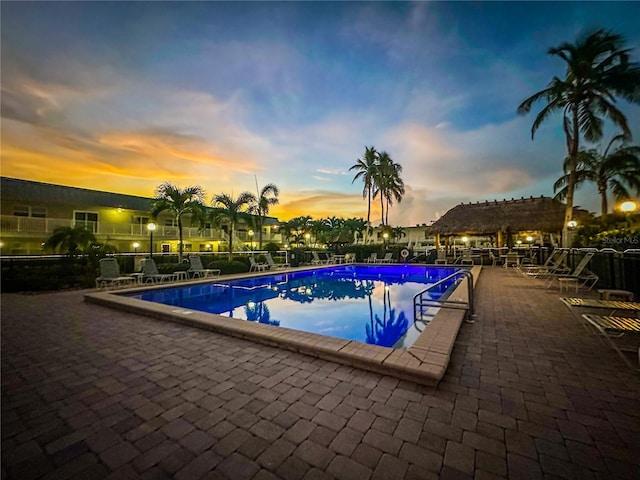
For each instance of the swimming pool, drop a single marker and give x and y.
(366, 303)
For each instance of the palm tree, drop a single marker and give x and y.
(597, 70)
(180, 203)
(618, 171)
(397, 233)
(355, 227)
(366, 168)
(70, 240)
(388, 183)
(267, 197)
(319, 229)
(231, 211)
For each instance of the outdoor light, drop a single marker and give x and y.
(465, 239)
(151, 227)
(628, 206)
(519, 242)
(136, 246)
(385, 235)
(529, 238)
(572, 224)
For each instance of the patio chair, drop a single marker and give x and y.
(273, 265)
(441, 258)
(580, 274)
(198, 270)
(511, 260)
(151, 273)
(349, 258)
(388, 258)
(257, 266)
(373, 258)
(317, 260)
(551, 265)
(110, 274)
(467, 258)
(609, 327)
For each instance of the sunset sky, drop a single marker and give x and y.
(124, 96)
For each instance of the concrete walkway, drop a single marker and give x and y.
(90, 393)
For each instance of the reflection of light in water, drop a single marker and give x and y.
(251, 304)
(308, 291)
(386, 287)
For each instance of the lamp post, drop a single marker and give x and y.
(136, 246)
(250, 233)
(151, 227)
(307, 236)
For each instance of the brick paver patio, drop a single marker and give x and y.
(90, 393)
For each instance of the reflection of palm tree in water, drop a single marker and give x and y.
(385, 332)
(259, 312)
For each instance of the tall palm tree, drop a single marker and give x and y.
(597, 70)
(231, 211)
(70, 240)
(366, 170)
(388, 183)
(618, 171)
(180, 203)
(267, 197)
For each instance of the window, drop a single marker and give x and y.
(170, 222)
(137, 220)
(87, 219)
(166, 248)
(38, 212)
(21, 211)
(27, 211)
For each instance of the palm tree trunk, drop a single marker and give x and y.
(231, 232)
(366, 232)
(260, 230)
(573, 155)
(603, 196)
(382, 210)
(180, 245)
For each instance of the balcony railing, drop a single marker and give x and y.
(29, 226)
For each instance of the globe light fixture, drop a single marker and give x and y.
(572, 224)
(629, 206)
(136, 246)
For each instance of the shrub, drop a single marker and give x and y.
(227, 267)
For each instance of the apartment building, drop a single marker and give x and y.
(31, 211)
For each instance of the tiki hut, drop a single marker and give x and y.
(501, 219)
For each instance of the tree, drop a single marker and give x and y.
(397, 233)
(231, 211)
(597, 70)
(70, 240)
(295, 228)
(267, 197)
(389, 184)
(180, 203)
(366, 170)
(618, 171)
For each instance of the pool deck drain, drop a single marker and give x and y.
(425, 362)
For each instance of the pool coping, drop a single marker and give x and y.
(425, 362)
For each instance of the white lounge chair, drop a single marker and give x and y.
(317, 260)
(610, 327)
(151, 273)
(441, 257)
(198, 270)
(373, 258)
(257, 266)
(388, 258)
(273, 265)
(579, 274)
(110, 274)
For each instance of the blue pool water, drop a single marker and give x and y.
(370, 304)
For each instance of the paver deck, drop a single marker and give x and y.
(89, 392)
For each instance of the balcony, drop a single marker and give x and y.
(41, 228)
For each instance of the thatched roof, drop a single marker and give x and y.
(486, 218)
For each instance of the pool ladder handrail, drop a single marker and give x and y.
(419, 301)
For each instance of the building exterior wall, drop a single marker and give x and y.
(26, 223)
